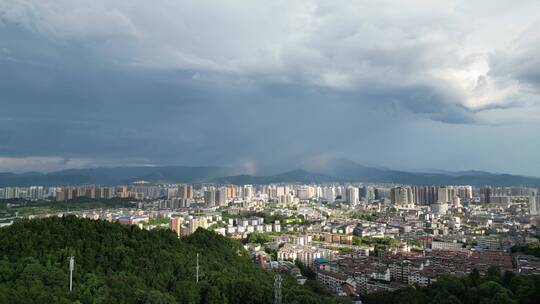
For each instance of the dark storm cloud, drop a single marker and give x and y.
(100, 85)
(520, 61)
(131, 114)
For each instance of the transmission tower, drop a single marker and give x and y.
(197, 268)
(71, 268)
(277, 289)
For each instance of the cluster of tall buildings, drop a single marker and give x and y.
(501, 195)
(221, 195)
(135, 191)
(329, 193)
(30, 193)
(94, 192)
(215, 197)
(428, 195)
(353, 194)
(440, 198)
(208, 195)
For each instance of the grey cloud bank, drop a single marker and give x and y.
(410, 85)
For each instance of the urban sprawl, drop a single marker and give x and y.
(355, 238)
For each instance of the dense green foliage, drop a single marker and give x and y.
(416, 243)
(24, 207)
(370, 217)
(268, 218)
(306, 271)
(380, 244)
(531, 248)
(387, 241)
(124, 264)
(493, 288)
(11, 201)
(259, 238)
(157, 221)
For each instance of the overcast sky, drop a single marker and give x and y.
(265, 85)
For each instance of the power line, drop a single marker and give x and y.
(277, 289)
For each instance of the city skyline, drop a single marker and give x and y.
(410, 86)
(269, 152)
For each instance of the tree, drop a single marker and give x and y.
(494, 274)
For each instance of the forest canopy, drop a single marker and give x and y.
(123, 264)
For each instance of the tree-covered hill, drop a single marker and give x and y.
(124, 264)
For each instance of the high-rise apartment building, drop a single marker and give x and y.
(401, 195)
(534, 205)
(210, 198)
(248, 192)
(195, 223)
(221, 197)
(185, 191)
(352, 195)
(175, 224)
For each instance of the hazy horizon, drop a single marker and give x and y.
(251, 169)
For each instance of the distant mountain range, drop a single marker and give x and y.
(116, 175)
(295, 176)
(333, 170)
